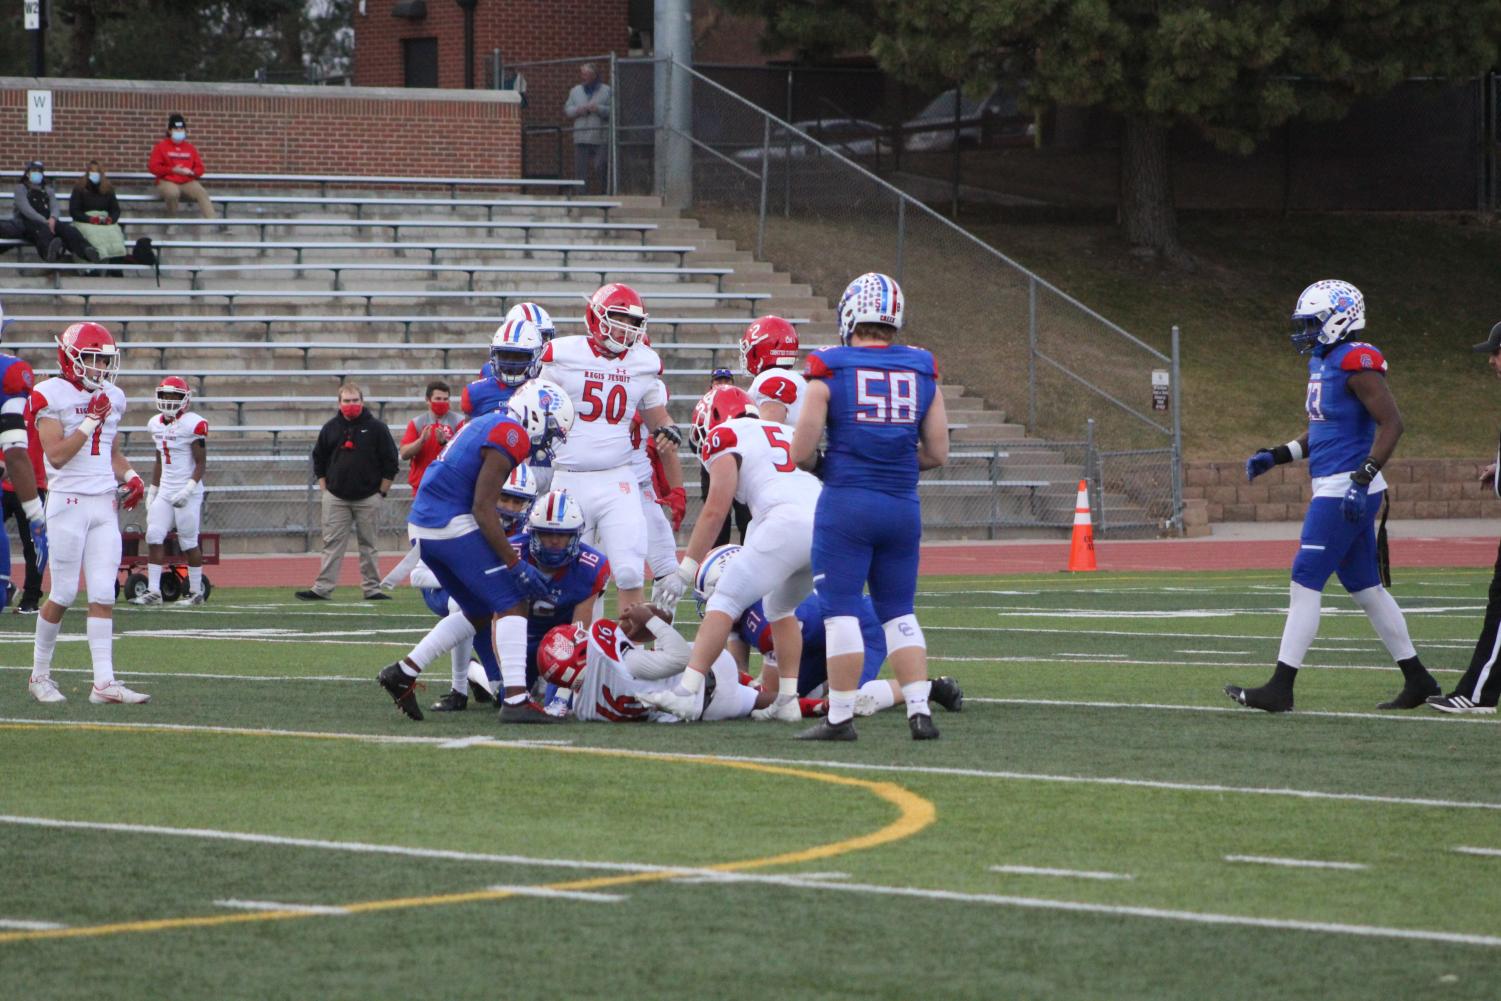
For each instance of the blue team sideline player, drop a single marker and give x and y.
(886, 421)
(16, 381)
(459, 536)
(1353, 427)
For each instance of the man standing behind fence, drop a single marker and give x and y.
(588, 105)
(355, 462)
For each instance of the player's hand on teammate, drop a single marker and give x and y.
(132, 491)
(672, 587)
(533, 582)
(676, 502)
(1259, 463)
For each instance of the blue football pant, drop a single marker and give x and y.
(865, 537)
(1330, 544)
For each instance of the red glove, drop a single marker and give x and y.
(676, 501)
(134, 489)
(99, 406)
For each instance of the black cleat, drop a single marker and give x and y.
(922, 727)
(1458, 704)
(947, 693)
(378, 596)
(1411, 696)
(451, 703)
(402, 689)
(480, 694)
(525, 712)
(1265, 698)
(311, 596)
(824, 730)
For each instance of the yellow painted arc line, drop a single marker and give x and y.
(914, 814)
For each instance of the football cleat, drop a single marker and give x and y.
(559, 704)
(921, 725)
(451, 703)
(1410, 697)
(947, 693)
(45, 690)
(481, 688)
(401, 688)
(1458, 704)
(865, 705)
(115, 693)
(824, 730)
(1264, 698)
(525, 712)
(192, 598)
(680, 704)
(785, 709)
(147, 598)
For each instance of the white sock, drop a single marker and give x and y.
(880, 692)
(841, 706)
(510, 649)
(460, 655)
(101, 633)
(1387, 618)
(786, 689)
(153, 576)
(195, 580)
(916, 695)
(42, 647)
(691, 681)
(1302, 624)
(450, 631)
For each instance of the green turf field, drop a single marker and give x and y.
(270, 827)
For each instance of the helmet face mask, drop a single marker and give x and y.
(616, 318)
(1328, 312)
(556, 527)
(709, 572)
(87, 355)
(514, 352)
(545, 411)
(173, 396)
(720, 404)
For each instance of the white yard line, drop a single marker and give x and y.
(1032, 870)
(522, 890)
(1396, 716)
(1250, 665)
(1297, 863)
(15, 925)
(1470, 850)
(271, 905)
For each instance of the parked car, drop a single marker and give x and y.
(851, 137)
(994, 120)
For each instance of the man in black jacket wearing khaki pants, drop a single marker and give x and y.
(355, 461)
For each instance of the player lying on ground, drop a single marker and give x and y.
(175, 497)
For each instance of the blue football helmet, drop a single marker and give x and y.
(871, 298)
(514, 352)
(521, 484)
(555, 514)
(537, 315)
(545, 411)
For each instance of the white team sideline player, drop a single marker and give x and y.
(175, 497)
(77, 421)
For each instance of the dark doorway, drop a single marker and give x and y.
(419, 62)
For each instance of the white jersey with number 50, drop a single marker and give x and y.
(768, 476)
(783, 385)
(606, 392)
(91, 470)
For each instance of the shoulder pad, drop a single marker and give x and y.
(201, 430)
(511, 439)
(816, 368)
(464, 402)
(546, 355)
(1363, 358)
(606, 635)
(777, 387)
(720, 439)
(18, 379)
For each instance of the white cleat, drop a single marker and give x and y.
(784, 710)
(479, 679)
(148, 598)
(191, 598)
(680, 704)
(115, 693)
(865, 705)
(45, 690)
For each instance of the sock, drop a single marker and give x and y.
(880, 693)
(460, 666)
(1283, 676)
(510, 649)
(450, 631)
(690, 681)
(101, 633)
(786, 689)
(1387, 619)
(1302, 624)
(42, 647)
(916, 695)
(153, 576)
(408, 668)
(1414, 674)
(195, 580)
(841, 706)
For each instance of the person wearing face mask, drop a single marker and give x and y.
(177, 167)
(428, 432)
(96, 212)
(355, 461)
(35, 210)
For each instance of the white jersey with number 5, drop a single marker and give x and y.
(783, 385)
(90, 471)
(174, 446)
(606, 392)
(768, 476)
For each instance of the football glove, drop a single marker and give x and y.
(533, 582)
(1353, 503)
(99, 408)
(39, 543)
(676, 501)
(132, 489)
(1259, 463)
(183, 495)
(671, 433)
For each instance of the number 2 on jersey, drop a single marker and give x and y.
(775, 437)
(883, 397)
(598, 402)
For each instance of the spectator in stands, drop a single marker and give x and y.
(31, 587)
(176, 165)
(739, 513)
(588, 105)
(427, 433)
(355, 462)
(96, 212)
(35, 208)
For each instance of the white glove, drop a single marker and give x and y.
(150, 494)
(184, 494)
(669, 590)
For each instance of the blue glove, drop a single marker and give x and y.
(1352, 505)
(1259, 463)
(39, 541)
(533, 582)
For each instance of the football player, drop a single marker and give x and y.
(175, 496)
(608, 375)
(616, 679)
(751, 460)
(16, 383)
(1353, 427)
(77, 418)
(660, 485)
(768, 353)
(461, 538)
(886, 421)
(513, 360)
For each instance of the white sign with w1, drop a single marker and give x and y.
(39, 111)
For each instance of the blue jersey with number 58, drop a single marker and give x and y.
(878, 397)
(1340, 428)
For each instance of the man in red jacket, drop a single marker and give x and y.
(176, 165)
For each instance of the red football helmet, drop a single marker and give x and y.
(172, 396)
(616, 318)
(561, 654)
(720, 404)
(87, 355)
(769, 341)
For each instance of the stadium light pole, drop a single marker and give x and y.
(672, 25)
(35, 12)
(467, 6)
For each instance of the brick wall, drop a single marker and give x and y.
(523, 30)
(1420, 488)
(249, 128)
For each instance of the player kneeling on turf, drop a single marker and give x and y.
(175, 497)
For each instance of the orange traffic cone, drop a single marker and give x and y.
(1081, 550)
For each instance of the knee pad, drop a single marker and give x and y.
(1311, 569)
(63, 591)
(902, 632)
(628, 576)
(156, 533)
(722, 601)
(186, 542)
(842, 635)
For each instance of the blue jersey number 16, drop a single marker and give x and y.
(883, 397)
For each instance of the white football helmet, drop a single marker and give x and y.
(709, 572)
(871, 298)
(545, 411)
(555, 513)
(534, 314)
(514, 350)
(522, 484)
(1327, 312)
